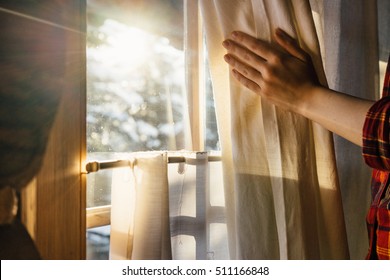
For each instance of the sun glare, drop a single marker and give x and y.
(125, 45)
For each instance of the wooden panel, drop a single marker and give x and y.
(61, 184)
(29, 207)
(43, 84)
(32, 64)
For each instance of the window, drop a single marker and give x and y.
(148, 88)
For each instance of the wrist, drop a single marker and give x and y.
(308, 97)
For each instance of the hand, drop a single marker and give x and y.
(283, 74)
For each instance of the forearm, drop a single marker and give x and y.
(340, 113)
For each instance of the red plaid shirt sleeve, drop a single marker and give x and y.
(376, 152)
(376, 140)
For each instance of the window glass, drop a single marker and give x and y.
(136, 88)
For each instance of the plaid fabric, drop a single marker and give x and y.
(376, 152)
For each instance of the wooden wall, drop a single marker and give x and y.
(43, 47)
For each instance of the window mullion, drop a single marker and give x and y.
(194, 73)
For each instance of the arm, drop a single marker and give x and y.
(285, 76)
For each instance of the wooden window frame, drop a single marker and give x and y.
(53, 205)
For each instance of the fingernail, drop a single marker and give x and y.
(226, 57)
(234, 34)
(226, 44)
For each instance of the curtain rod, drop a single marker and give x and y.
(95, 166)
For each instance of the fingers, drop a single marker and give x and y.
(246, 65)
(238, 54)
(257, 63)
(266, 50)
(243, 69)
(290, 45)
(261, 48)
(246, 82)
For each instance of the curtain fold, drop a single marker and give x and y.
(350, 55)
(281, 182)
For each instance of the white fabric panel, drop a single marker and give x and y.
(140, 209)
(281, 184)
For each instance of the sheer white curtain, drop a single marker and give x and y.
(197, 208)
(140, 209)
(164, 210)
(281, 181)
